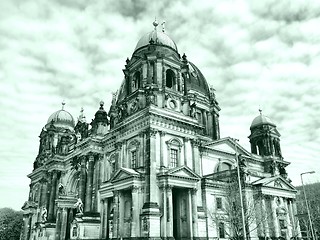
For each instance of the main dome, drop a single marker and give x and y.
(61, 119)
(159, 38)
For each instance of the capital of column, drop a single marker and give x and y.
(195, 142)
(118, 145)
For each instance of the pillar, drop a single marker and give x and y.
(89, 184)
(64, 218)
(169, 211)
(264, 215)
(43, 199)
(116, 215)
(52, 196)
(58, 224)
(190, 214)
(164, 206)
(195, 156)
(275, 218)
(135, 223)
(210, 125)
(82, 178)
(185, 142)
(162, 134)
(194, 212)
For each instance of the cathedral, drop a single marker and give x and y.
(154, 166)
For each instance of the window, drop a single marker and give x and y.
(170, 78)
(173, 157)
(221, 230)
(74, 231)
(174, 152)
(135, 84)
(219, 203)
(134, 159)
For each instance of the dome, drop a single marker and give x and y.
(61, 119)
(159, 38)
(261, 120)
(197, 81)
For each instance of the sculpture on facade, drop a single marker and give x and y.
(44, 214)
(79, 205)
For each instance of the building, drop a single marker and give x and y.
(154, 166)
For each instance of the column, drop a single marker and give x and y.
(190, 214)
(164, 206)
(116, 215)
(169, 211)
(52, 196)
(288, 218)
(210, 124)
(195, 156)
(135, 223)
(194, 212)
(43, 199)
(264, 214)
(89, 184)
(274, 217)
(83, 176)
(58, 224)
(64, 218)
(185, 143)
(162, 134)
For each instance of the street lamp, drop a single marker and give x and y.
(305, 198)
(240, 190)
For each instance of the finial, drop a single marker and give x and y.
(163, 29)
(127, 61)
(81, 110)
(260, 110)
(155, 23)
(101, 104)
(63, 103)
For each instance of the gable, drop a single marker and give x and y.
(183, 171)
(124, 173)
(276, 182)
(227, 145)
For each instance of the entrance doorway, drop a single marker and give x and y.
(181, 213)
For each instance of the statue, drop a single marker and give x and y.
(193, 110)
(79, 205)
(61, 189)
(44, 214)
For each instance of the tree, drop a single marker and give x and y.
(313, 197)
(11, 222)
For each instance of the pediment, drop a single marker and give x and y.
(276, 182)
(29, 204)
(124, 173)
(227, 145)
(183, 171)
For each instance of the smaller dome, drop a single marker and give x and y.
(61, 119)
(261, 120)
(159, 38)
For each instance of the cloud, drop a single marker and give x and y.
(252, 52)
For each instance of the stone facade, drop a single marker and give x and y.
(155, 167)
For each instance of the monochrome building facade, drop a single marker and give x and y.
(154, 166)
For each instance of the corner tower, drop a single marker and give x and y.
(264, 137)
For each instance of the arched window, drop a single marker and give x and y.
(133, 154)
(225, 166)
(170, 79)
(174, 153)
(135, 83)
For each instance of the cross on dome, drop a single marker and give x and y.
(63, 103)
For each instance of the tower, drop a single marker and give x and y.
(264, 137)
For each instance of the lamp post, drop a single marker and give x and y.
(240, 191)
(305, 198)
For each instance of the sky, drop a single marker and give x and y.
(256, 54)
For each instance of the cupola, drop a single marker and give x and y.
(264, 137)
